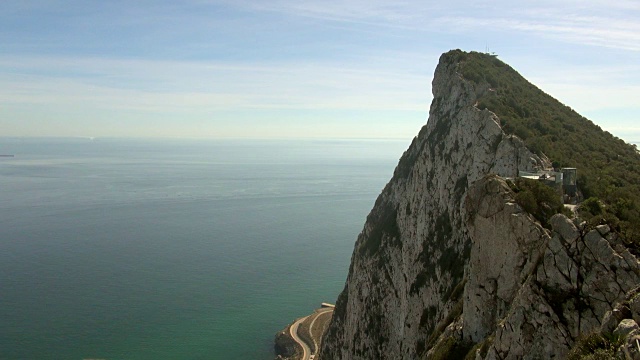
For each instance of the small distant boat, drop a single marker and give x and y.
(6, 155)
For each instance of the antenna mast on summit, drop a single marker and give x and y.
(486, 51)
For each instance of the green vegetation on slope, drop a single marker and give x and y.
(595, 346)
(608, 168)
(537, 199)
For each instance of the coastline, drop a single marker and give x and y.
(301, 340)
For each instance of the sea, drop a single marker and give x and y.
(175, 249)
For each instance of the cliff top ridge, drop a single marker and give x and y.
(608, 168)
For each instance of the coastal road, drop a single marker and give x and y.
(307, 353)
(293, 330)
(319, 313)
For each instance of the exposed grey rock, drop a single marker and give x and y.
(625, 327)
(452, 333)
(571, 291)
(447, 229)
(612, 318)
(414, 248)
(603, 229)
(506, 246)
(531, 330)
(622, 323)
(631, 347)
(566, 229)
(634, 304)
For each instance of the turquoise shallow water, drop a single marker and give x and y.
(138, 249)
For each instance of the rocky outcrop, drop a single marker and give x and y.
(622, 323)
(507, 243)
(414, 248)
(449, 264)
(285, 347)
(531, 291)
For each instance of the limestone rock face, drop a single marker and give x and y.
(506, 245)
(414, 248)
(532, 292)
(448, 264)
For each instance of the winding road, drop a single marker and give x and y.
(293, 330)
(317, 315)
(307, 353)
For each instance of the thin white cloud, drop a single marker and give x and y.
(369, 11)
(173, 85)
(368, 75)
(585, 30)
(590, 98)
(596, 23)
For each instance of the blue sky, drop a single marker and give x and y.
(296, 68)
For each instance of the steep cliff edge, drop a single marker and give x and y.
(531, 292)
(448, 263)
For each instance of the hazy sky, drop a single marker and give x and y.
(296, 68)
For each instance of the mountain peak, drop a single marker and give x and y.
(449, 245)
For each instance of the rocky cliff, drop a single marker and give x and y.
(449, 265)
